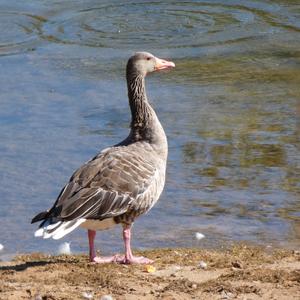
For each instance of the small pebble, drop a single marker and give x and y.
(199, 236)
(194, 286)
(237, 265)
(106, 297)
(1, 247)
(202, 265)
(150, 269)
(64, 248)
(38, 297)
(226, 295)
(87, 295)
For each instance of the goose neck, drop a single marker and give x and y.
(141, 111)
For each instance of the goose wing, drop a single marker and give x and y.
(106, 186)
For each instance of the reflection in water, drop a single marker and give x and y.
(230, 110)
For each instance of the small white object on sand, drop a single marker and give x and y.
(1, 247)
(106, 297)
(202, 264)
(199, 235)
(226, 295)
(64, 248)
(38, 297)
(87, 295)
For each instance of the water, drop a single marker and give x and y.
(230, 110)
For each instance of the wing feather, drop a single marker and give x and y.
(106, 186)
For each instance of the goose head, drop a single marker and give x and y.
(142, 63)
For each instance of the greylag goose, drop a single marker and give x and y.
(121, 182)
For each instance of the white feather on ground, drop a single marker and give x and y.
(64, 248)
(199, 235)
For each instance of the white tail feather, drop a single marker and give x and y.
(39, 232)
(52, 226)
(70, 227)
(62, 228)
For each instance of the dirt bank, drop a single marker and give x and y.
(242, 272)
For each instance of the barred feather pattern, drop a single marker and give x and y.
(118, 180)
(121, 183)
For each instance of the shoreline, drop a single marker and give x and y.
(240, 272)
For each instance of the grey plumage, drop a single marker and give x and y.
(123, 181)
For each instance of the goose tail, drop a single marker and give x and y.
(56, 229)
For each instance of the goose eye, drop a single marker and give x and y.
(148, 58)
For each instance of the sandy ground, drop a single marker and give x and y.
(242, 272)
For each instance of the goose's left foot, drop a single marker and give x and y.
(133, 260)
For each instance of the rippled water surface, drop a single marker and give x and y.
(230, 110)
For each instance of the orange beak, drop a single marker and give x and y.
(163, 64)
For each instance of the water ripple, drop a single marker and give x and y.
(166, 25)
(19, 31)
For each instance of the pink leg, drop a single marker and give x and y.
(91, 235)
(93, 257)
(129, 258)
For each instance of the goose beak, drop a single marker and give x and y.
(163, 64)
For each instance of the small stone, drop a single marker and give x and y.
(106, 297)
(150, 269)
(199, 236)
(226, 295)
(87, 295)
(202, 265)
(38, 297)
(237, 265)
(194, 286)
